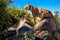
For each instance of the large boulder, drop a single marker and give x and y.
(19, 34)
(45, 29)
(18, 31)
(38, 12)
(28, 29)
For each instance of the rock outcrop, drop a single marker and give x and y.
(17, 32)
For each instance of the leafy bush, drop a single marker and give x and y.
(26, 37)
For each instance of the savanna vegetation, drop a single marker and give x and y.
(9, 16)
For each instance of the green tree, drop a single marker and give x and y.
(9, 16)
(56, 15)
(3, 14)
(26, 37)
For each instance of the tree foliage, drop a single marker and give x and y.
(27, 38)
(3, 14)
(56, 15)
(9, 16)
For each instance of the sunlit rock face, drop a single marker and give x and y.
(38, 12)
(47, 24)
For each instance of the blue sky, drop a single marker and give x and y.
(51, 5)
